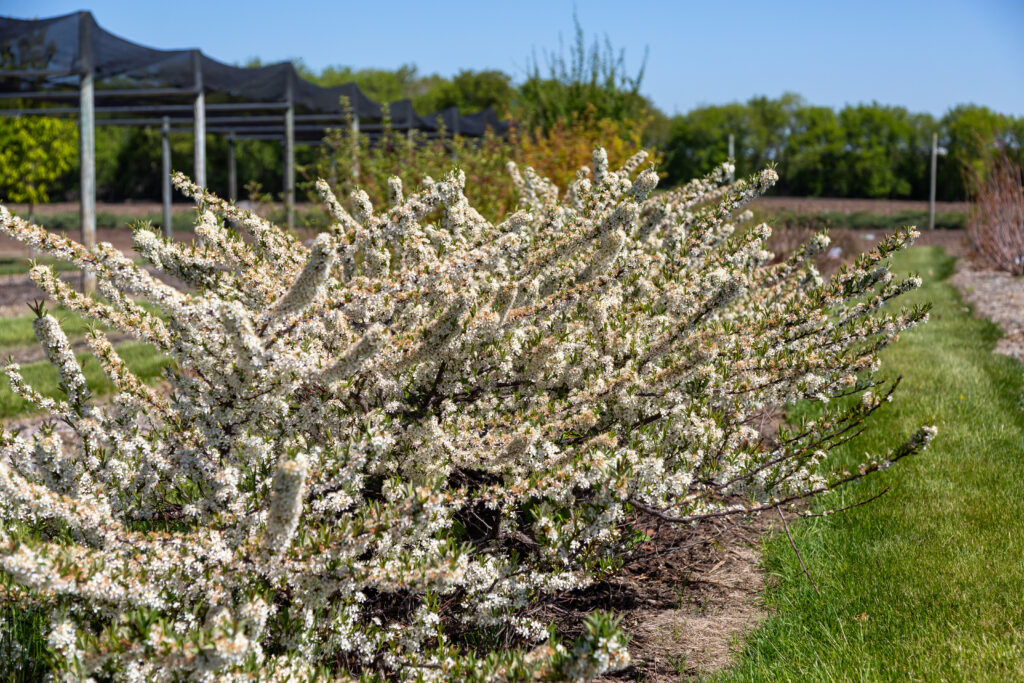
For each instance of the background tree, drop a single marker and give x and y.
(814, 148)
(35, 152)
(862, 150)
(470, 91)
(593, 75)
(878, 138)
(700, 140)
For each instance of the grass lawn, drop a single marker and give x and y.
(926, 583)
(13, 265)
(17, 331)
(143, 359)
(19, 265)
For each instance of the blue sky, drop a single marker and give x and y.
(926, 56)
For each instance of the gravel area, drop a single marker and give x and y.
(997, 296)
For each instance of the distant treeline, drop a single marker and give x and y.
(863, 150)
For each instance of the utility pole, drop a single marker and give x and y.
(931, 191)
(232, 169)
(355, 148)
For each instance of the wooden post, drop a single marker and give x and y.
(199, 121)
(289, 153)
(931, 191)
(232, 169)
(165, 135)
(87, 142)
(732, 156)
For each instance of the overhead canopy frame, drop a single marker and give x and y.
(70, 66)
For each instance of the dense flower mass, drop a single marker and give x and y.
(380, 452)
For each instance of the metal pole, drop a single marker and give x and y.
(289, 154)
(199, 121)
(455, 134)
(165, 134)
(87, 142)
(232, 170)
(931, 192)
(334, 170)
(355, 149)
(732, 156)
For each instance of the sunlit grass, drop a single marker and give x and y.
(143, 359)
(927, 582)
(17, 331)
(15, 265)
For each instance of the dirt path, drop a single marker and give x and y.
(121, 238)
(17, 291)
(997, 296)
(695, 605)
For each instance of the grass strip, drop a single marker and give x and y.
(18, 265)
(17, 331)
(926, 582)
(143, 359)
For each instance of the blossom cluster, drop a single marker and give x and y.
(377, 455)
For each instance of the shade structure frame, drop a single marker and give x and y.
(69, 66)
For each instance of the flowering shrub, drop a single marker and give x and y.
(381, 453)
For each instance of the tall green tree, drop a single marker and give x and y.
(969, 132)
(699, 141)
(878, 140)
(814, 149)
(470, 91)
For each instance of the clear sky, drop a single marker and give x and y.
(924, 55)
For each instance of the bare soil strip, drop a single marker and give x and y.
(695, 607)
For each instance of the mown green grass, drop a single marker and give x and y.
(143, 359)
(16, 265)
(926, 583)
(18, 331)
(19, 265)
